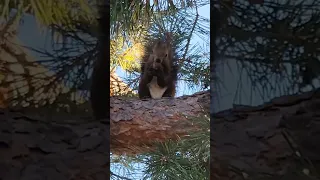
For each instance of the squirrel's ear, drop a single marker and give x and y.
(156, 45)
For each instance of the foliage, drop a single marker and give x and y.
(124, 55)
(60, 74)
(129, 17)
(193, 59)
(130, 21)
(74, 48)
(186, 159)
(274, 44)
(49, 12)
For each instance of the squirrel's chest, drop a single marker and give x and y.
(156, 91)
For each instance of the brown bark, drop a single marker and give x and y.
(137, 124)
(31, 148)
(271, 141)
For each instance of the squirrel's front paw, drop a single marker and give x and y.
(159, 72)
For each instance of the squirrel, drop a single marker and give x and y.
(159, 70)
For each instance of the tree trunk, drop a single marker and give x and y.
(271, 141)
(137, 124)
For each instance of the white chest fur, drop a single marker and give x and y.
(156, 91)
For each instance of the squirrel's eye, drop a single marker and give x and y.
(166, 55)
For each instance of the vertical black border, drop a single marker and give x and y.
(214, 31)
(100, 87)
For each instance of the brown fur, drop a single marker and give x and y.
(158, 62)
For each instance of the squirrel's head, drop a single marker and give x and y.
(160, 55)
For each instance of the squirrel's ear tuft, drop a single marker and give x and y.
(157, 44)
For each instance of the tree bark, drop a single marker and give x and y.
(72, 147)
(137, 124)
(31, 148)
(279, 139)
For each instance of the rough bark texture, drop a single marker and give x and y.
(137, 124)
(31, 148)
(277, 140)
(72, 148)
(118, 87)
